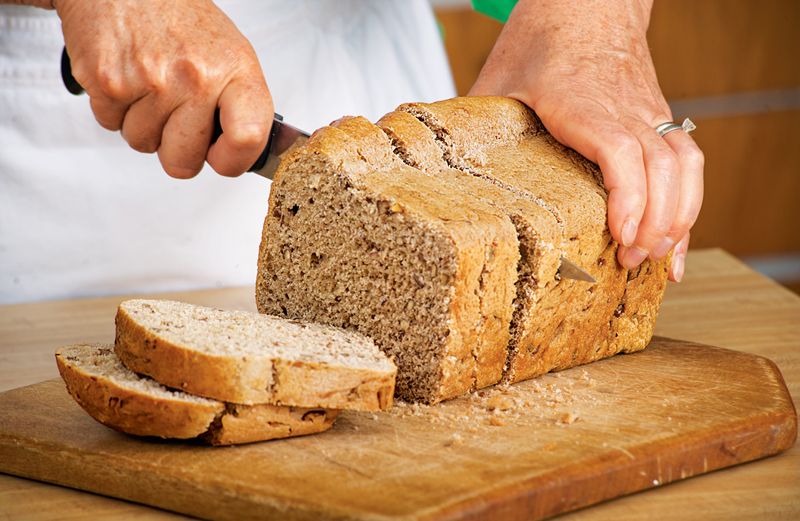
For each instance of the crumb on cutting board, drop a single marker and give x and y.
(562, 399)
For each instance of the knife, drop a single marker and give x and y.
(282, 137)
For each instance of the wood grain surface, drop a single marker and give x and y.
(721, 301)
(537, 449)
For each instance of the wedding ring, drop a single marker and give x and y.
(665, 128)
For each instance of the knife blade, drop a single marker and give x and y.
(569, 270)
(283, 137)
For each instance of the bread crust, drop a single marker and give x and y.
(249, 379)
(482, 241)
(557, 323)
(133, 411)
(566, 322)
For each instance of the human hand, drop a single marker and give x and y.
(587, 72)
(158, 70)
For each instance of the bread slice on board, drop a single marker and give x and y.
(356, 238)
(248, 358)
(127, 402)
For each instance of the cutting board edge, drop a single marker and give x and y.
(517, 497)
(36, 458)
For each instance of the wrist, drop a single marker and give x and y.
(583, 20)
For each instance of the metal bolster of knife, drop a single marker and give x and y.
(75, 88)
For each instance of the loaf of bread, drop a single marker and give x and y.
(127, 402)
(247, 358)
(438, 232)
(358, 239)
(558, 323)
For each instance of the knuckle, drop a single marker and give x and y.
(109, 83)
(622, 143)
(680, 228)
(666, 163)
(248, 136)
(694, 157)
(660, 230)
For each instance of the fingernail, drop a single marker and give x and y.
(662, 248)
(629, 230)
(634, 257)
(678, 262)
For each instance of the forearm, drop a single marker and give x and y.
(581, 18)
(556, 26)
(44, 4)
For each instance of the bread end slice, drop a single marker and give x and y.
(126, 402)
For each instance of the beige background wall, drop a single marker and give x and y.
(734, 67)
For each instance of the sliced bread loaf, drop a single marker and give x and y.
(356, 238)
(462, 160)
(124, 401)
(247, 358)
(567, 322)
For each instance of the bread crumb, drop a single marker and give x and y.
(456, 440)
(496, 422)
(567, 418)
(499, 402)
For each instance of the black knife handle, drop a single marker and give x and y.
(262, 158)
(75, 88)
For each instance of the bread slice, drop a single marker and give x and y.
(247, 358)
(124, 401)
(559, 323)
(356, 238)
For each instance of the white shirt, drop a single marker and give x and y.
(81, 214)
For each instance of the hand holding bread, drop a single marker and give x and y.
(586, 70)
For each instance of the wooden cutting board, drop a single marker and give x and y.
(539, 448)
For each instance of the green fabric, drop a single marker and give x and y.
(497, 9)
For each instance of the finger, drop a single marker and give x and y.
(108, 112)
(679, 259)
(602, 139)
(691, 185)
(245, 113)
(144, 123)
(185, 140)
(663, 185)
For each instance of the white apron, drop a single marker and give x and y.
(81, 214)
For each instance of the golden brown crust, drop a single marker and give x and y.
(557, 323)
(482, 240)
(134, 411)
(566, 322)
(488, 253)
(252, 379)
(252, 423)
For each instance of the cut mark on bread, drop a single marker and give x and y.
(451, 157)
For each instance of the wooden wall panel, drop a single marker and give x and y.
(752, 189)
(468, 38)
(712, 47)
